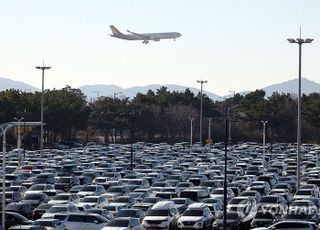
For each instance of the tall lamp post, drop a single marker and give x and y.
(201, 87)
(19, 140)
(115, 94)
(264, 142)
(43, 68)
(191, 121)
(209, 129)
(299, 41)
(230, 121)
(4, 130)
(225, 186)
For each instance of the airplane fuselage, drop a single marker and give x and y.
(151, 36)
(146, 37)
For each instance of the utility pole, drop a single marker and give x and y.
(225, 186)
(209, 129)
(299, 41)
(264, 142)
(43, 68)
(201, 98)
(191, 121)
(230, 121)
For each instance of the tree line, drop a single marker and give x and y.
(163, 116)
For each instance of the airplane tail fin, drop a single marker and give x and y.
(115, 31)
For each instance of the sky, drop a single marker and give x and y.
(236, 45)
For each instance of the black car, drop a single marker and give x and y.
(25, 209)
(14, 218)
(40, 210)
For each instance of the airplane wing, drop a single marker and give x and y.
(140, 35)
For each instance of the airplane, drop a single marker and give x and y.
(144, 37)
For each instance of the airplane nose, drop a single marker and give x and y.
(178, 35)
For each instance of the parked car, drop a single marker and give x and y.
(163, 214)
(197, 216)
(124, 223)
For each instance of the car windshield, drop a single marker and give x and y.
(88, 189)
(32, 196)
(179, 201)
(46, 223)
(263, 215)
(57, 209)
(114, 189)
(218, 192)
(292, 225)
(127, 213)
(158, 212)
(193, 212)
(119, 223)
(121, 200)
(237, 200)
(300, 204)
(61, 197)
(110, 208)
(37, 187)
(63, 180)
(269, 199)
(13, 189)
(150, 200)
(89, 200)
(304, 192)
(60, 217)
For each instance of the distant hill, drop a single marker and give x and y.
(6, 83)
(291, 86)
(92, 91)
(108, 90)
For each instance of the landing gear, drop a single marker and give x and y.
(145, 42)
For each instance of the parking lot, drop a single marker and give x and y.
(169, 187)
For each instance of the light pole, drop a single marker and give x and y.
(115, 94)
(201, 87)
(264, 142)
(19, 140)
(230, 121)
(299, 41)
(191, 121)
(225, 186)
(4, 150)
(43, 68)
(209, 129)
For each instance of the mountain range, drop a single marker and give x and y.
(93, 91)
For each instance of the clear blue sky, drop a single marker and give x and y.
(234, 44)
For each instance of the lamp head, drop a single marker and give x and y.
(291, 40)
(308, 40)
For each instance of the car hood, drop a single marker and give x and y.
(86, 193)
(57, 202)
(156, 218)
(48, 215)
(115, 228)
(190, 218)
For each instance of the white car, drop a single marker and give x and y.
(85, 221)
(124, 223)
(197, 216)
(162, 215)
(94, 201)
(291, 225)
(50, 224)
(60, 208)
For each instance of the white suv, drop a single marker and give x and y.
(163, 215)
(197, 216)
